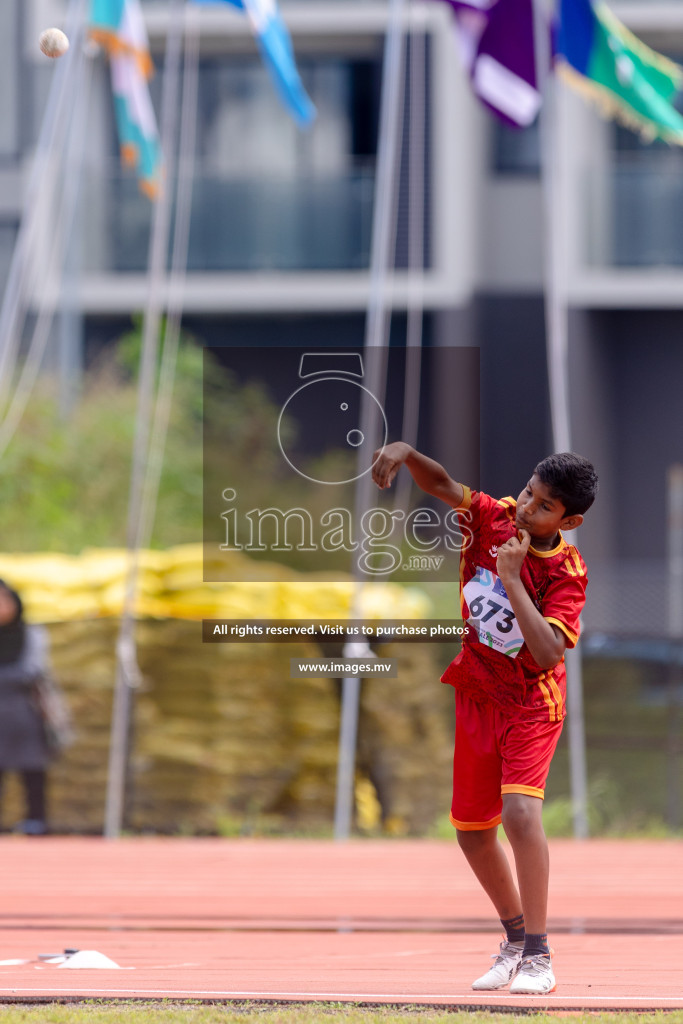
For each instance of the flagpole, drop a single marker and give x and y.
(376, 336)
(49, 142)
(557, 349)
(64, 200)
(178, 275)
(416, 254)
(127, 670)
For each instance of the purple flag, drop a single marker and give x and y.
(497, 43)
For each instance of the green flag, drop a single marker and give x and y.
(628, 81)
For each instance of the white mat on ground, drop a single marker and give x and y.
(89, 959)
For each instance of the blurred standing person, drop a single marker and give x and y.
(24, 746)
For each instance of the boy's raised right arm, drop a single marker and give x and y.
(429, 475)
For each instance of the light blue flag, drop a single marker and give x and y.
(276, 49)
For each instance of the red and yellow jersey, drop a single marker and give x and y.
(495, 663)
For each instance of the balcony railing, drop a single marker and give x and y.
(636, 211)
(317, 223)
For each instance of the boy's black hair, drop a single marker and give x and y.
(571, 479)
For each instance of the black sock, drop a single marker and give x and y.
(514, 928)
(536, 945)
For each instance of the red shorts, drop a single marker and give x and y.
(493, 756)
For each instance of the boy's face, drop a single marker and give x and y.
(541, 515)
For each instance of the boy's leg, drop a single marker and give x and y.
(477, 804)
(527, 749)
(487, 858)
(476, 813)
(523, 826)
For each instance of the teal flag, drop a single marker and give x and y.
(119, 27)
(106, 14)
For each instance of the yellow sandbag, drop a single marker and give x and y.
(58, 588)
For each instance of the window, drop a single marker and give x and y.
(516, 150)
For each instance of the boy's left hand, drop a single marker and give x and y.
(511, 556)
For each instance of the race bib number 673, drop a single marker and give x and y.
(491, 614)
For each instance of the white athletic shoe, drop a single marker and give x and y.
(506, 965)
(535, 976)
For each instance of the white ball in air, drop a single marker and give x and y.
(53, 42)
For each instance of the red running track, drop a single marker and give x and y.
(365, 921)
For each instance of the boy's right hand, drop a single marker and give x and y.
(387, 461)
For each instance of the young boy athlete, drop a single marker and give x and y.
(522, 591)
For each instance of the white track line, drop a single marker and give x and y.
(463, 998)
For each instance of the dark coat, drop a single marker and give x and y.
(23, 743)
